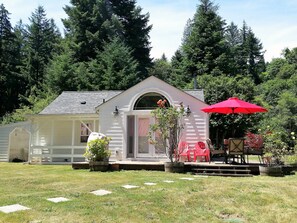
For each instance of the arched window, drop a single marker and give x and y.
(149, 101)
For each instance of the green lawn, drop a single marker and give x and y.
(205, 199)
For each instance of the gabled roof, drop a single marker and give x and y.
(78, 102)
(199, 94)
(86, 102)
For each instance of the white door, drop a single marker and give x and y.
(143, 147)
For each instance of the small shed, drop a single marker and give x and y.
(15, 142)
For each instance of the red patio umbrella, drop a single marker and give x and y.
(232, 106)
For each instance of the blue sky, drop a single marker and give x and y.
(274, 22)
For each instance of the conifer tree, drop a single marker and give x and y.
(204, 48)
(10, 81)
(93, 23)
(42, 36)
(117, 67)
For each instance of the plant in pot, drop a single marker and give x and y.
(166, 131)
(98, 154)
(275, 149)
(291, 159)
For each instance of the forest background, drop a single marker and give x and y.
(106, 46)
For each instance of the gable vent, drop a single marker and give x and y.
(83, 102)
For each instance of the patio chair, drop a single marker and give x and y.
(236, 149)
(254, 146)
(182, 151)
(213, 151)
(201, 151)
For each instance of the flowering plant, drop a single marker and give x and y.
(275, 146)
(168, 127)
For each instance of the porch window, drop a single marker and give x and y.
(149, 101)
(85, 131)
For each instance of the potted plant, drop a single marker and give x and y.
(98, 154)
(166, 131)
(275, 148)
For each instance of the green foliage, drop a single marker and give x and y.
(220, 88)
(34, 104)
(11, 81)
(275, 144)
(97, 149)
(117, 67)
(161, 69)
(42, 36)
(93, 24)
(204, 46)
(168, 127)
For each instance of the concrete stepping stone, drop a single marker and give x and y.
(13, 208)
(101, 192)
(168, 181)
(200, 176)
(58, 199)
(150, 184)
(129, 186)
(187, 178)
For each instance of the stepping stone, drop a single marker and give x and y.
(129, 186)
(13, 208)
(101, 192)
(168, 181)
(198, 176)
(150, 184)
(58, 199)
(187, 178)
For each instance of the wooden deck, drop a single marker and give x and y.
(200, 168)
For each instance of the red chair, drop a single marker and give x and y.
(201, 151)
(182, 151)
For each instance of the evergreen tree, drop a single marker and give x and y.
(179, 78)
(93, 23)
(10, 81)
(87, 27)
(116, 66)
(42, 36)
(205, 46)
(161, 69)
(61, 73)
(136, 32)
(255, 56)
(234, 43)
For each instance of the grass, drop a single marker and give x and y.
(211, 199)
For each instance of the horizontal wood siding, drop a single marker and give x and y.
(57, 140)
(112, 126)
(4, 138)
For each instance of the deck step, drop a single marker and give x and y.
(223, 171)
(224, 174)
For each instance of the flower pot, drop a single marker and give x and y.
(175, 167)
(275, 171)
(99, 166)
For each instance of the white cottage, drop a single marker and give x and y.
(59, 133)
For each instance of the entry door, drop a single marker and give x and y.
(143, 147)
